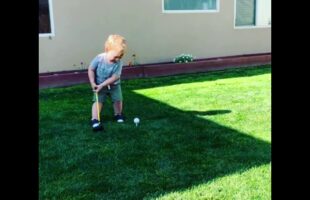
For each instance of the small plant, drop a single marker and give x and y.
(83, 65)
(183, 58)
(134, 61)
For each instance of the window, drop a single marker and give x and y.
(190, 6)
(46, 26)
(255, 13)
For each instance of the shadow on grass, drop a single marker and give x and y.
(171, 150)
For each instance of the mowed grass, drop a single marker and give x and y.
(201, 136)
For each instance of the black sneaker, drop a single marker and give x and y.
(119, 118)
(96, 125)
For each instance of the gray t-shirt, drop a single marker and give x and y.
(105, 70)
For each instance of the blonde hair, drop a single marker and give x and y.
(115, 42)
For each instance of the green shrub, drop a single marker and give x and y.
(183, 58)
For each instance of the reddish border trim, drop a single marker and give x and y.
(68, 78)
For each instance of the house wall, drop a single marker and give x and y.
(82, 26)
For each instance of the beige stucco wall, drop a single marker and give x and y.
(81, 27)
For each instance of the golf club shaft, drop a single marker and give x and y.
(97, 102)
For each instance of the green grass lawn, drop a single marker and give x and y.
(202, 136)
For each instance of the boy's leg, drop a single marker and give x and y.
(96, 125)
(118, 107)
(94, 110)
(101, 98)
(117, 98)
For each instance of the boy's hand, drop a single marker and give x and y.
(94, 86)
(98, 88)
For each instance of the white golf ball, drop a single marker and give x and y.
(136, 120)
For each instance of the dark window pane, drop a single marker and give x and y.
(245, 12)
(190, 4)
(44, 17)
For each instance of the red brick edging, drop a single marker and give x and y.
(68, 78)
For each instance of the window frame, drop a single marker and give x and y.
(190, 11)
(248, 26)
(51, 17)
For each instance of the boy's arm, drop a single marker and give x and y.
(109, 81)
(91, 77)
(92, 73)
